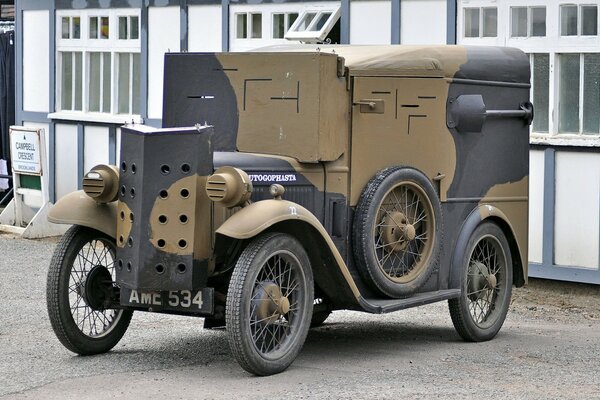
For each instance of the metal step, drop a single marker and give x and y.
(384, 306)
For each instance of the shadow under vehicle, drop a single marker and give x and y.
(289, 183)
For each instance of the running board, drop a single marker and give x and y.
(384, 306)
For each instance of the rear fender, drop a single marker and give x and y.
(477, 216)
(77, 208)
(258, 217)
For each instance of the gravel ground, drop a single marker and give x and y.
(548, 348)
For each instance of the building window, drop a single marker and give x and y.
(71, 28)
(579, 93)
(314, 24)
(249, 25)
(541, 89)
(578, 20)
(481, 22)
(538, 21)
(99, 28)
(282, 23)
(528, 21)
(99, 73)
(129, 27)
(589, 20)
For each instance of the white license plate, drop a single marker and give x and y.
(193, 301)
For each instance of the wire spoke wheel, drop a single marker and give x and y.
(95, 254)
(404, 233)
(397, 231)
(269, 304)
(487, 284)
(80, 291)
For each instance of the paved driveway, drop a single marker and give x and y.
(548, 348)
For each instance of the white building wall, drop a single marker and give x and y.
(36, 60)
(95, 146)
(423, 22)
(204, 28)
(536, 205)
(163, 36)
(577, 216)
(370, 22)
(66, 159)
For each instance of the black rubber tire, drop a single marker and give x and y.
(364, 231)
(239, 311)
(464, 321)
(57, 296)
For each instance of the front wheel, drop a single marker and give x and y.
(487, 275)
(80, 289)
(269, 303)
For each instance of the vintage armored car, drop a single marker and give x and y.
(292, 182)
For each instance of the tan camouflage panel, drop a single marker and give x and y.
(181, 217)
(411, 130)
(295, 106)
(512, 200)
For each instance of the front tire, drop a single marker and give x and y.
(487, 276)
(269, 303)
(79, 318)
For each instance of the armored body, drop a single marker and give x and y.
(289, 183)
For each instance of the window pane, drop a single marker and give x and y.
(65, 27)
(104, 28)
(135, 28)
(519, 22)
(242, 26)
(122, 27)
(135, 93)
(66, 80)
(124, 78)
(256, 26)
(76, 28)
(471, 22)
(589, 20)
(278, 26)
(78, 81)
(568, 101)
(321, 21)
(93, 27)
(305, 21)
(538, 21)
(568, 20)
(591, 93)
(490, 22)
(292, 17)
(541, 79)
(94, 84)
(106, 74)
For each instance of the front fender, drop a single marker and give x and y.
(257, 217)
(77, 208)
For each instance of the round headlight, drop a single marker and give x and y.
(102, 183)
(229, 186)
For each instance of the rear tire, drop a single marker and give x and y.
(487, 276)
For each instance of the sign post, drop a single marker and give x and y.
(26, 213)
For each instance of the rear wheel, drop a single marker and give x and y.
(480, 311)
(269, 303)
(80, 289)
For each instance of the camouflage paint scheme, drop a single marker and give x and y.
(322, 122)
